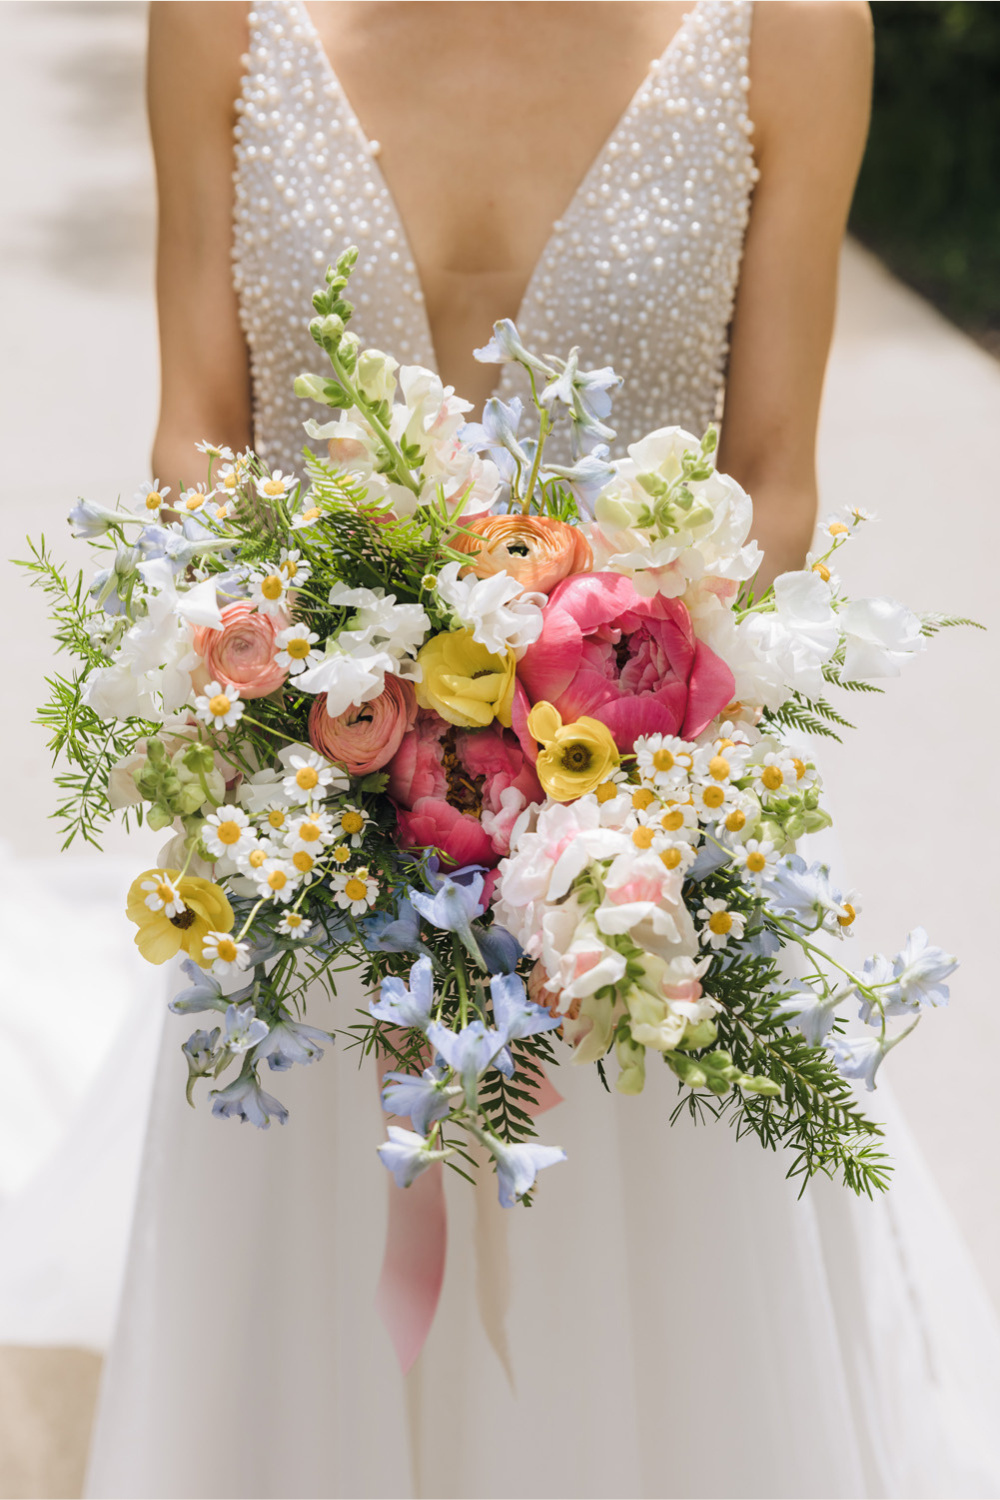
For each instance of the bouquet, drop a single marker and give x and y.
(515, 738)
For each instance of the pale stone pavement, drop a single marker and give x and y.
(910, 419)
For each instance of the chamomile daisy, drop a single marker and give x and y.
(253, 860)
(663, 760)
(295, 648)
(355, 890)
(307, 516)
(163, 895)
(149, 499)
(229, 831)
(276, 486)
(195, 499)
(269, 592)
(225, 955)
(775, 774)
(219, 706)
(294, 924)
(721, 925)
(215, 451)
(277, 878)
(679, 820)
(308, 773)
(294, 566)
(712, 799)
(741, 817)
(351, 823)
(310, 831)
(758, 860)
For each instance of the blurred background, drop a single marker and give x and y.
(909, 430)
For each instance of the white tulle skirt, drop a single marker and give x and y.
(680, 1323)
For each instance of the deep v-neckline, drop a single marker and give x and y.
(576, 197)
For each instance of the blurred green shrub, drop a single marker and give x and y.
(928, 200)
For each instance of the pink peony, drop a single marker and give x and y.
(241, 653)
(460, 791)
(635, 664)
(366, 736)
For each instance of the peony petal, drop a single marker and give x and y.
(710, 687)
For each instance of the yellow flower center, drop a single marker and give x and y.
(672, 820)
(311, 513)
(342, 854)
(166, 893)
(723, 744)
(800, 767)
(837, 528)
(293, 919)
(226, 949)
(154, 500)
(273, 487)
(671, 858)
(642, 838)
(642, 797)
(303, 862)
(822, 570)
(276, 818)
(272, 587)
(663, 760)
(772, 777)
(230, 482)
(718, 767)
(298, 648)
(352, 822)
(277, 880)
(713, 796)
(309, 832)
(289, 567)
(720, 922)
(355, 890)
(306, 777)
(219, 706)
(736, 820)
(256, 858)
(756, 862)
(607, 791)
(229, 832)
(192, 502)
(848, 917)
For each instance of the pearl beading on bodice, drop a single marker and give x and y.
(640, 271)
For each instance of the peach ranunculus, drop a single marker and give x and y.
(536, 550)
(367, 735)
(241, 653)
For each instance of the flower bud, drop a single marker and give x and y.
(376, 375)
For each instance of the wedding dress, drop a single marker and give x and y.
(678, 1321)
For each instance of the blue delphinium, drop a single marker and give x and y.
(245, 1100)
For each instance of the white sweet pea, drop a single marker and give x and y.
(346, 680)
(379, 624)
(497, 610)
(430, 413)
(879, 635)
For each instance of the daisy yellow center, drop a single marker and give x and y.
(671, 858)
(848, 917)
(275, 487)
(355, 890)
(311, 513)
(772, 778)
(230, 481)
(289, 567)
(736, 820)
(293, 919)
(663, 760)
(166, 893)
(272, 586)
(756, 862)
(306, 777)
(607, 791)
(720, 922)
(642, 797)
(718, 767)
(276, 818)
(229, 832)
(822, 570)
(226, 949)
(219, 705)
(672, 820)
(713, 796)
(192, 502)
(303, 862)
(721, 745)
(257, 858)
(642, 838)
(154, 500)
(352, 822)
(837, 528)
(800, 767)
(277, 880)
(222, 512)
(298, 648)
(309, 832)
(342, 854)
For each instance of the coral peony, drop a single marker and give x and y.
(366, 736)
(536, 550)
(635, 664)
(241, 653)
(460, 791)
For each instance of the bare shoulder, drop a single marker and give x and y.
(196, 53)
(209, 27)
(810, 67)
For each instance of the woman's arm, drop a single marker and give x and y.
(811, 63)
(193, 83)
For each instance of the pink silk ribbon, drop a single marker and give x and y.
(416, 1242)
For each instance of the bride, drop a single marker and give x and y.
(669, 1318)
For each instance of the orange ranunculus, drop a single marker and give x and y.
(536, 550)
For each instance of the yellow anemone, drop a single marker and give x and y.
(159, 937)
(576, 758)
(463, 682)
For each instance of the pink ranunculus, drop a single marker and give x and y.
(366, 736)
(635, 664)
(460, 790)
(241, 653)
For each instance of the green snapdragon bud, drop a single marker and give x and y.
(159, 816)
(631, 1057)
(198, 757)
(327, 331)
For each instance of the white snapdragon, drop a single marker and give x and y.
(497, 610)
(880, 636)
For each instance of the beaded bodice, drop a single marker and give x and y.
(640, 271)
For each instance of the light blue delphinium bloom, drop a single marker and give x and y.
(244, 1028)
(710, 857)
(290, 1042)
(518, 1166)
(452, 907)
(587, 477)
(920, 971)
(406, 1007)
(505, 348)
(516, 1016)
(810, 1012)
(500, 949)
(204, 992)
(423, 1100)
(245, 1100)
(469, 1051)
(384, 933)
(590, 391)
(860, 1057)
(407, 1154)
(201, 1050)
(497, 435)
(877, 972)
(802, 892)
